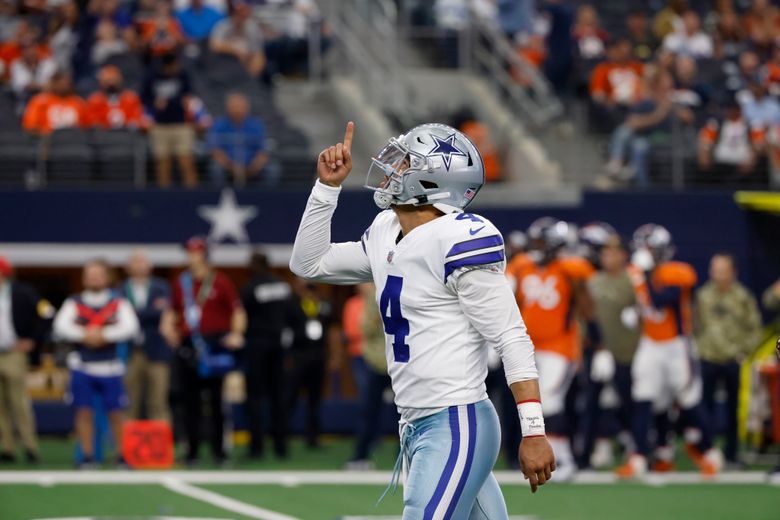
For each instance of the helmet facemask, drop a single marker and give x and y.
(386, 174)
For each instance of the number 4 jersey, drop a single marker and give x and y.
(438, 319)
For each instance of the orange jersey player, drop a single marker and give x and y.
(551, 294)
(663, 370)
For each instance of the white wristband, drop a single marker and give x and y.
(531, 418)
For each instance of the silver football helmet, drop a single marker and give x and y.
(656, 239)
(430, 164)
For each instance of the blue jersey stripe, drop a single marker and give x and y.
(430, 508)
(472, 433)
(475, 244)
(484, 258)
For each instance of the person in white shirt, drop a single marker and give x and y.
(30, 72)
(690, 40)
(444, 300)
(95, 322)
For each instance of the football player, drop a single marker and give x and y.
(664, 367)
(443, 298)
(551, 294)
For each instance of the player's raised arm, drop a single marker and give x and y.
(313, 256)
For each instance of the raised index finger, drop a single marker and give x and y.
(348, 135)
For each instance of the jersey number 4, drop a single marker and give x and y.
(395, 324)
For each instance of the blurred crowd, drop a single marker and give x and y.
(652, 75)
(65, 64)
(636, 357)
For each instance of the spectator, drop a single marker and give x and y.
(31, 71)
(615, 304)
(268, 301)
(149, 363)
(758, 107)
(771, 297)
(530, 48)
(63, 36)
(108, 42)
(729, 328)
(771, 72)
(652, 115)
(729, 37)
(205, 325)
(615, 84)
(113, 107)
(221, 6)
(588, 34)
(160, 34)
(731, 144)
(688, 91)
(9, 19)
(762, 15)
(19, 326)
(198, 20)
(94, 25)
(237, 144)
(314, 317)
(11, 49)
(669, 19)
(376, 378)
(643, 42)
(95, 321)
(239, 36)
(516, 17)
(165, 94)
(479, 133)
(57, 108)
(690, 40)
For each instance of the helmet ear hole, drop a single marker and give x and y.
(428, 185)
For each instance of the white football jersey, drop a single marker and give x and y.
(439, 323)
(435, 357)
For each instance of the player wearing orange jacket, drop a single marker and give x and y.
(664, 370)
(551, 294)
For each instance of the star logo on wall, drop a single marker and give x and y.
(446, 149)
(228, 220)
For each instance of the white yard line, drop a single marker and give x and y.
(221, 501)
(295, 478)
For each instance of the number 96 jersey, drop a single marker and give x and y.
(435, 357)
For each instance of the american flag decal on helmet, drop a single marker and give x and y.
(469, 194)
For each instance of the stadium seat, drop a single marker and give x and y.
(69, 158)
(117, 156)
(19, 153)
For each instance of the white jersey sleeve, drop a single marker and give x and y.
(487, 301)
(314, 257)
(475, 262)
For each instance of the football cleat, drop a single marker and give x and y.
(635, 466)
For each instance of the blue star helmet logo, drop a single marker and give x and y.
(446, 149)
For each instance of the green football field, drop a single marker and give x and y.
(310, 486)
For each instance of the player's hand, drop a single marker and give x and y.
(537, 461)
(233, 341)
(24, 345)
(335, 163)
(93, 337)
